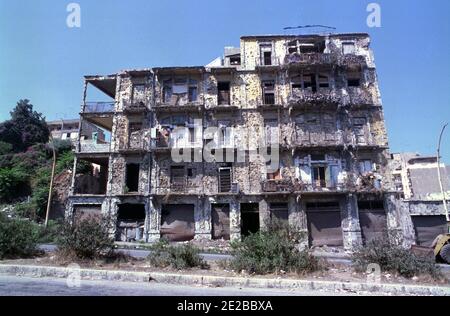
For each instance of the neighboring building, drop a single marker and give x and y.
(68, 130)
(417, 177)
(316, 96)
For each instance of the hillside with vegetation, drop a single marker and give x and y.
(26, 157)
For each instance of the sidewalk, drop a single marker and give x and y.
(221, 281)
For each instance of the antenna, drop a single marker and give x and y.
(320, 27)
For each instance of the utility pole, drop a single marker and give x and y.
(50, 191)
(444, 199)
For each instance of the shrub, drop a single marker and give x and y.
(50, 234)
(162, 255)
(87, 238)
(271, 251)
(11, 180)
(18, 238)
(394, 259)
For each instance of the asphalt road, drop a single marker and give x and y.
(23, 286)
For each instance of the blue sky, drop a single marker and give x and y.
(43, 60)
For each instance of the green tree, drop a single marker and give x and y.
(25, 128)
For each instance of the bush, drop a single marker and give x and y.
(394, 259)
(162, 255)
(18, 238)
(271, 251)
(86, 238)
(11, 181)
(50, 234)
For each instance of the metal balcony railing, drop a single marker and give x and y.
(98, 107)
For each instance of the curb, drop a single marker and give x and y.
(219, 281)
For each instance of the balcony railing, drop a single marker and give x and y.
(351, 60)
(358, 96)
(281, 186)
(98, 107)
(137, 141)
(136, 105)
(93, 146)
(321, 96)
(267, 61)
(309, 59)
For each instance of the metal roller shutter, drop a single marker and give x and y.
(324, 224)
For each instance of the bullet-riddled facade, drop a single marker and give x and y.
(311, 101)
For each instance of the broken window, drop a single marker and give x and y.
(191, 172)
(323, 81)
(266, 54)
(365, 166)
(235, 60)
(306, 46)
(309, 82)
(132, 177)
(139, 93)
(348, 48)
(225, 179)
(354, 79)
(224, 134)
(359, 126)
(167, 90)
(296, 83)
(319, 176)
(269, 92)
(223, 93)
(177, 177)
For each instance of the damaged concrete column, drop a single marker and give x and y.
(235, 220)
(297, 218)
(154, 221)
(110, 209)
(351, 228)
(264, 214)
(202, 216)
(393, 207)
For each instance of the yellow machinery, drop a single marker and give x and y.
(441, 247)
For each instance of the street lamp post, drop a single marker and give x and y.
(50, 191)
(444, 199)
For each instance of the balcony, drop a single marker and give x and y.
(357, 96)
(267, 62)
(309, 59)
(164, 141)
(136, 106)
(324, 186)
(281, 186)
(93, 146)
(351, 60)
(323, 96)
(98, 107)
(138, 142)
(180, 101)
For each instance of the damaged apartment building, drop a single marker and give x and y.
(318, 92)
